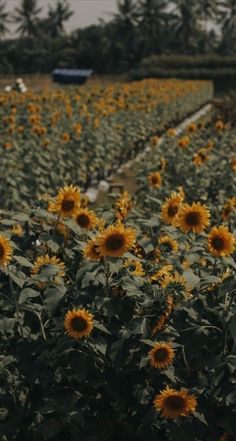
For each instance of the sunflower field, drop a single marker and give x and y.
(82, 135)
(118, 322)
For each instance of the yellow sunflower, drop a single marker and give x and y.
(159, 275)
(169, 244)
(161, 355)
(135, 267)
(195, 217)
(115, 240)
(221, 241)
(86, 218)
(42, 262)
(192, 127)
(228, 437)
(173, 403)
(175, 282)
(90, 250)
(17, 230)
(78, 323)
(5, 251)
(123, 205)
(219, 125)
(161, 323)
(67, 202)
(171, 207)
(154, 179)
(184, 142)
(228, 209)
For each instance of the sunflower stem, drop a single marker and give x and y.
(15, 303)
(107, 277)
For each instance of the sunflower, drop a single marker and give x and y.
(192, 127)
(195, 217)
(184, 142)
(17, 230)
(78, 323)
(171, 207)
(135, 267)
(154, 179)
(5, 251)
(90, 250)
(161, 273)
(228, 437)
(43, 261)
(173, 403)
(86, 218)
(168, 244)
(221, 241)
(219, 125)
(176, 282)
(160, 325)
(67, 202)
(161, 355)
(123, 205)
(115, 240)
(228, 209)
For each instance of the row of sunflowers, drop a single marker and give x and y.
(120, 323)
(82, 135)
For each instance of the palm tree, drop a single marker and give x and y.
(57, 16)
(227, 21)
(4, 18)
(153, 16)
(208, 10)
(26, 16)
(186, 24)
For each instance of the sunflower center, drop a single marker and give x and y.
(115, 242)
(161, 354)
(1, 251)
(175, 403)
(68, 204)
(168, 247)
(192, 218)
(82, 220)
(218, 243)
(78, 324)
(172, 210)
(155, 180)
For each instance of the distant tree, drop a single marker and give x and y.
(208, 10)
(26, 16)
(57, 16)
(187, 30)
(4, 19)
(227, 21)
(153, 16)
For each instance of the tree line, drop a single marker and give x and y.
(140, 28)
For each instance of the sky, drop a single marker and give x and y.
(86, 12)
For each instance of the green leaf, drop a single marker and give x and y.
(27, 293)
(53, 296)
(23, 261)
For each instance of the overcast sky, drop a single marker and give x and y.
(86, 12)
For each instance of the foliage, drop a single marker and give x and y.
(82, 135)
(102, 387)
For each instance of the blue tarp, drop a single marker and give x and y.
(71, 76)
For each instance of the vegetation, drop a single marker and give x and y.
(121, 323)
(84, 134)
(174, 26)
